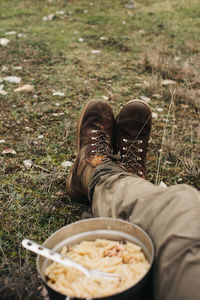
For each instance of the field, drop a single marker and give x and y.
(70, 52)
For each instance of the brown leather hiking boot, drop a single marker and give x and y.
(94, 146)
(133, 126)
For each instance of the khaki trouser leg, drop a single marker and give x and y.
(170, 215)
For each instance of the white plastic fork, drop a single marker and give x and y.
(52, 255)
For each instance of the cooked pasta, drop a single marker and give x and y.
(126, 259)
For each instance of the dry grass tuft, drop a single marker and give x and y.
(188, 96)
(165, 65)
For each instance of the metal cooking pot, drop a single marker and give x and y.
(106, 228)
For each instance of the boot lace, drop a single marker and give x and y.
(100, 144)
(130, 155)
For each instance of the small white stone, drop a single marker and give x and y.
(51, 16)
(40, 136)
(20, 35)
(168, 162)
(8, 151)
(177, 58)
(103, 38)
(11, 33)
(159, 109)
(13, 79)
(17, 68)
(4, 42)
(60, 94)
(66, 164)
(157, 96)
(145, 99)
(57, 114)
(162, 184)
(154, 115)
(105, 98)
(60, 12)
(96, 51)
(91, 3)
(24, 88)
(57, 104)
(80, 40)
(130, 5)
(85, 11)
(2, 92)
(146, 83)
(124, 23)
(168, 82)
(179, 179)
(35, 96)
(28, 163)
(141, 31)
(48, 18)
(4, 69)
(2, 141)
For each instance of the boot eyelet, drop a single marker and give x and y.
(140, 173)
(140, 141)
(125, 140)
(94, 151)
(140, 150)
(93, 130)
(124, 148)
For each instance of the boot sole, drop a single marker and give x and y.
(69, 177)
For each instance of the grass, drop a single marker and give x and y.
(139, 48)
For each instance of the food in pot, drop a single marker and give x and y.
(124, 258)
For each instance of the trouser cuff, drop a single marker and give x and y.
(108, 168)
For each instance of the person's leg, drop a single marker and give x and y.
(170, 215)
